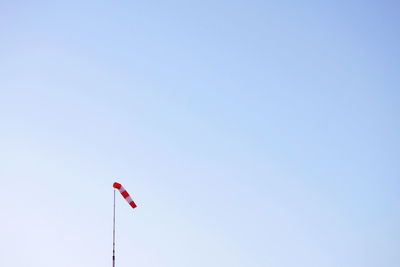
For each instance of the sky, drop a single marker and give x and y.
(249, 133)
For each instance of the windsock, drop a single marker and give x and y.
(125, 194)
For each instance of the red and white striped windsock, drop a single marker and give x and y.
(125, 194)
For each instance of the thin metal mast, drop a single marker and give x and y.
(113, 257)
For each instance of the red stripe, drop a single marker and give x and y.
(125, 194)
(133, 205)
(117, 185)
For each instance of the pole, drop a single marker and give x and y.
(113, 257)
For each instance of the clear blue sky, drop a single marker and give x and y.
(250, 133)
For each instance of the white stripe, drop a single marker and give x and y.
(129, 199)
